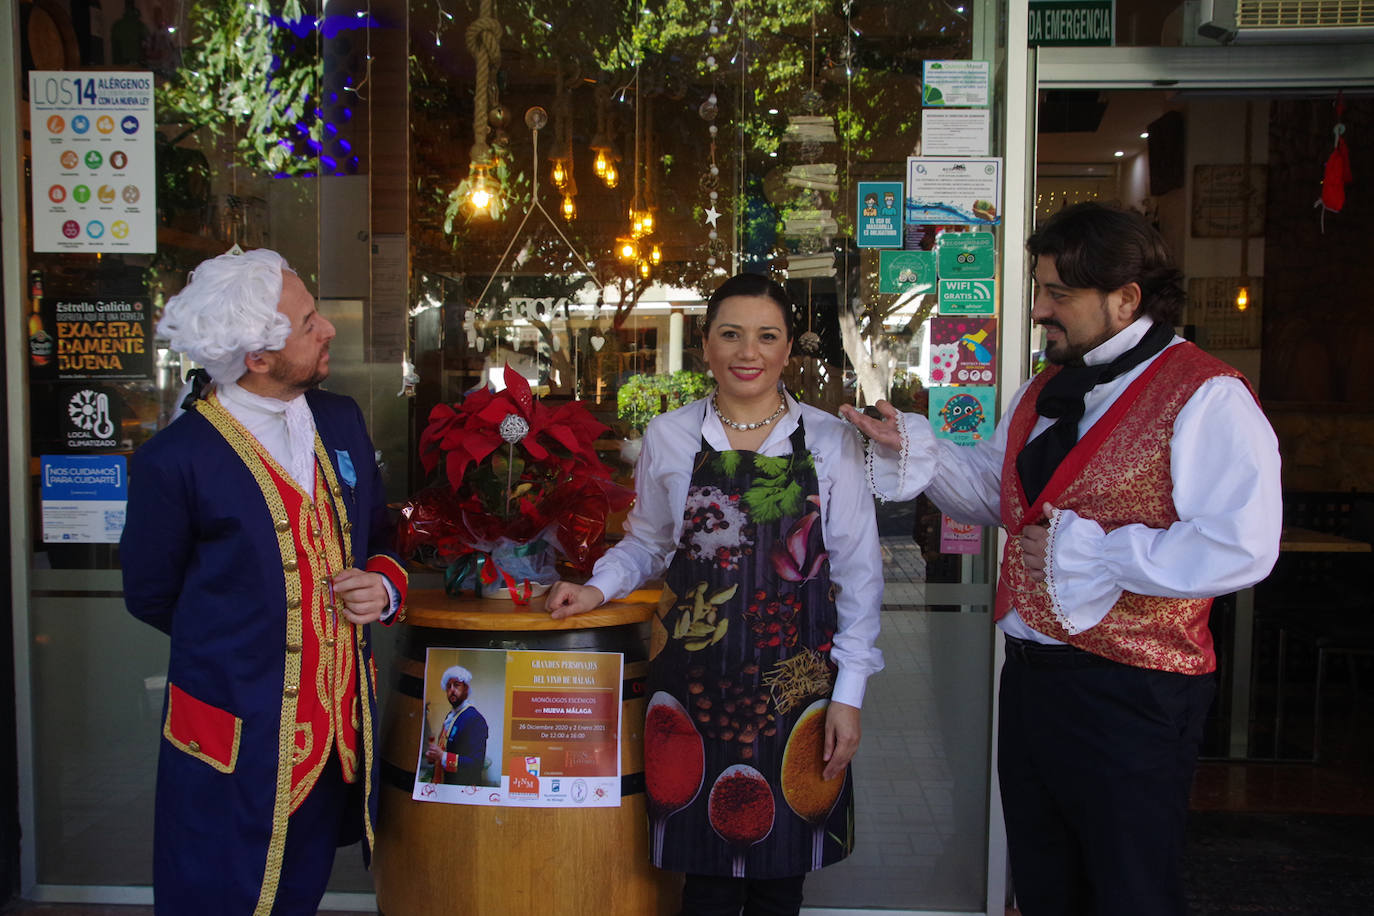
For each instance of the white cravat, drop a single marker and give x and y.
(285, 428)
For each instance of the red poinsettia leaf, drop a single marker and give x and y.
(519, 389)
(455, 465)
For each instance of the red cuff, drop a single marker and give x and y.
(396, 574)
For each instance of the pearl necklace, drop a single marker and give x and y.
(782, 406)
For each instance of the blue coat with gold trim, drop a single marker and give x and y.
(202, 562)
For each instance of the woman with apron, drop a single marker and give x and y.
(764, 638)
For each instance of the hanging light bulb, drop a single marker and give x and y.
(636, 223)
(569, 207)
(560, 174)
(627, 249)
(481, 188)
(1242, 299)
(611, 176)
(601, 164)
(647, 220)
(656, 255)
(644, 269)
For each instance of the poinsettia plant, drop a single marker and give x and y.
(516, 477)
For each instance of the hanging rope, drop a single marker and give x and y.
(484, 42)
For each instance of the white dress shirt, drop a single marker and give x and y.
(664, 472)
(1224, 462)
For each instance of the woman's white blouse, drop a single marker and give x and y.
(664, 472)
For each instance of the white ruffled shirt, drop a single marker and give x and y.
(287, 430)
(664, 472)
(1224, 461)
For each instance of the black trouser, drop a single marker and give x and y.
(712, 895)
(1096, 763)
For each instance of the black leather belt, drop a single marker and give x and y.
(1042, 655)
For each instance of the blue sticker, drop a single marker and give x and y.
(349, 475)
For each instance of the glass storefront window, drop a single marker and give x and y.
(631, 158)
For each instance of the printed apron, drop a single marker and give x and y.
(740, 676)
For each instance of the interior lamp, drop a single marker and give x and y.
(627, 249)
(656, 255)
(569, 207)
(611, 176)
(1242, 299)
(481, 187)
(560, 174)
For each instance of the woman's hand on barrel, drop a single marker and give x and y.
(567, 598)
(841, 737)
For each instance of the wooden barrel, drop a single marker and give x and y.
(435, 859)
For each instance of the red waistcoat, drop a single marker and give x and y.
(327, 713)
(1117, 474)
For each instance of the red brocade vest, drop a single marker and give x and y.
(1117, 474)
(326, 702)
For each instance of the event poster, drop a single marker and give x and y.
(963, 415)
(880, 214)
(958, 537)
(520, 728)
(83, 498)
(963, 350)
(954, 192)
(903, 271)
(94, 171)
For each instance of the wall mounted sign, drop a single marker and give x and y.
(94, 182)
(906, 271)
(1084, 23)
(84, 498)
(948, 191)
(955, 83)
(880, 214)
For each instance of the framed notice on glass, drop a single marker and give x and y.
(518, 728)
(1228, 201)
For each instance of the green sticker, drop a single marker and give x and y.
(966, 255)
(906, 271)
(968, 297)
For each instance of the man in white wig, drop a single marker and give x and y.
(459, 759)
(258, 538)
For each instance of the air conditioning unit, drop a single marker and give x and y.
(1286, 21)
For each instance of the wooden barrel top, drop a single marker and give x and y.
(435, 608)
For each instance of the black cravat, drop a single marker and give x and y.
(1062, 399)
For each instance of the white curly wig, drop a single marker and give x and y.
(227, 310)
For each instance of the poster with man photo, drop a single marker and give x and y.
(465, 700)
(521, 728)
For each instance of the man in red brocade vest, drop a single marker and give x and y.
(258, 538)
(1136, 478)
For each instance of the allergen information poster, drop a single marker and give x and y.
(94, 175)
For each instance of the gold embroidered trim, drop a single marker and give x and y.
(196, 752)
(247, 448)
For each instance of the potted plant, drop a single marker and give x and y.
(517, 481)
(643, 397)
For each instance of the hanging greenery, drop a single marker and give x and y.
(252, 69)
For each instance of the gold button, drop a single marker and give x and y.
(194, 747)
(291, 691)
(289, 566)
(283, 525)
(293, 647)
(348, 527)
(336, 492)
(293, 603)
(329, 641)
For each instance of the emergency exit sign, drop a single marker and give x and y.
(1059, 23)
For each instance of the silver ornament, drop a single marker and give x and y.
(513, 428)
